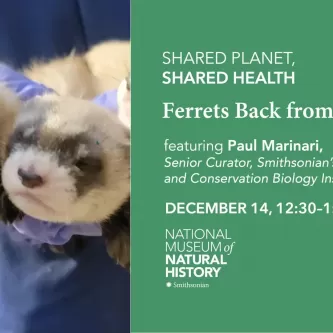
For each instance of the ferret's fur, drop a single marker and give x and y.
(76, 79)
(87, 75)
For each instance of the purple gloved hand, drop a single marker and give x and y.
(38, 231)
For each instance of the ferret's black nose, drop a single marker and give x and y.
(29, 178)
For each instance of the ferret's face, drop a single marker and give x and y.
(68, 160)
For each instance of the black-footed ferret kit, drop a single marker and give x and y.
(64, 158)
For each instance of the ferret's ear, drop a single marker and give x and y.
(124, 102)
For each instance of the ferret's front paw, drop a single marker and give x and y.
(124, 101)
(119, 249)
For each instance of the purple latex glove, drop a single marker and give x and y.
(29, 228)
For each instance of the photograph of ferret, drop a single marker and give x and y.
(64, 158)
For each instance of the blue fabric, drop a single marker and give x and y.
(41, 291)
(43, 29)
(105, 19)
